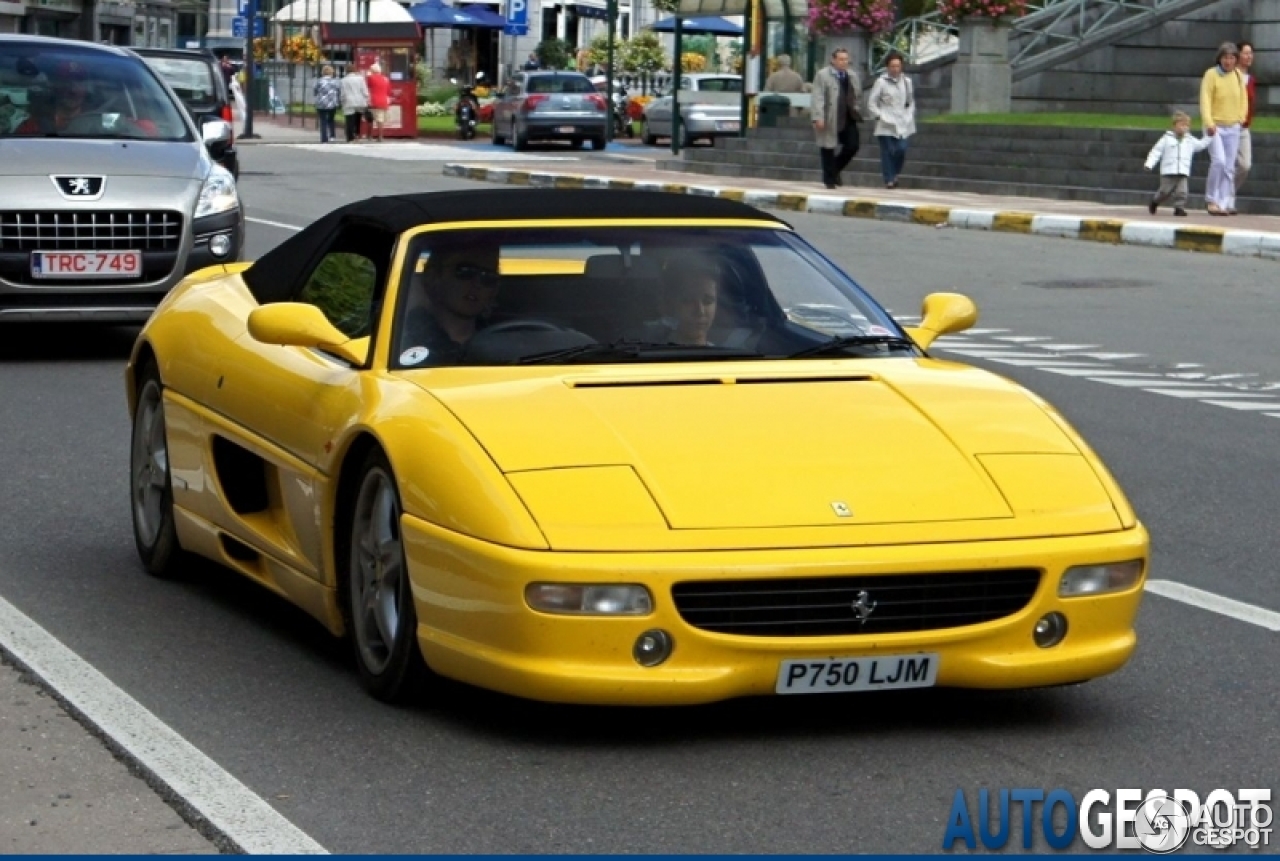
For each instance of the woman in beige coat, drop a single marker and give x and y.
(834, 109)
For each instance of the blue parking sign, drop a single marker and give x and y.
(517, 17)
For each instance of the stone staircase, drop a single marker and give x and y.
(1098, 165)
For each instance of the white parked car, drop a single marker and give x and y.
(701, 117)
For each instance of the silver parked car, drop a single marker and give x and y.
(108, 194)
(699, 119)
(550, 106)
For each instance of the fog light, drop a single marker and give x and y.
(1050, 630)
(220, 245)
(652, 648)
(1099, 579)
(587, 600)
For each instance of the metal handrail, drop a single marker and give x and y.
(1054, 31)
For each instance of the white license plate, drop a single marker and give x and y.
(727, 125)
(833, 675)
(86, 264)
(566, 130)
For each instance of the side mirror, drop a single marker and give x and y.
(297, 324)
(943, 314)
(215, 131)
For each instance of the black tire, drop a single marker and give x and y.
(647, 137)
(389, 662)
(498, 140)
(519, 139)
(598, 144)
(576, 143)
(151, 483)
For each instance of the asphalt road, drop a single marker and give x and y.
(267, 694)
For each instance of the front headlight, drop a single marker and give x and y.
(1082, 580)
(589, 600)
(218, 193)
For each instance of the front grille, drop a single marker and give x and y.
(824, 606)
(90, 230)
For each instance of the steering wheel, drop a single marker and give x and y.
(522, 325)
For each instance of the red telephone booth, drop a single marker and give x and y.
(392, 46)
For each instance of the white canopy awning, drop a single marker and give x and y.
(342, 12)
(772, 8)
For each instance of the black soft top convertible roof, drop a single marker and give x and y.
(273, 277)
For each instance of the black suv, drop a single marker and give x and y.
(196, 78)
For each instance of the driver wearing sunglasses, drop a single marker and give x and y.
(459, 288)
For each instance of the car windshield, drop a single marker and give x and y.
(49, 90)
(649, 294)
(560, 84)
(191, 78)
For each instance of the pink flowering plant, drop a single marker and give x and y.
(953, 10)
(844, 16)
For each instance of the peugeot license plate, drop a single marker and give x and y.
(727, 125)
(86, 264)
(834, 675)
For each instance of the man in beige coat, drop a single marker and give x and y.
(834, 108)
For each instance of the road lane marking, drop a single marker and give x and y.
(1194, 597)
(279, 224)
(184, 775)
(1246, 405)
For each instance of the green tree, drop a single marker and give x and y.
(598, 50)
(644, 54)
(553, 53)
(668, 6)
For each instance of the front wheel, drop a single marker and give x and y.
(379, 599)
(150, 483)
(647, 137)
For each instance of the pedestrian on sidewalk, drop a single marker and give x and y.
(1173, 153)
(1244, 158)
(834, 109)
(892, 105)
(354, 95)
(785, 79)
(379, 100)
(1224, 106)
(328, 95)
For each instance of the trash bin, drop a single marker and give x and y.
(770, 109)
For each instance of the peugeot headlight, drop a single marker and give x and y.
(218, 193)
(1099, 579)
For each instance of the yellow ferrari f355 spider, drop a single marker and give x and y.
(620, 448)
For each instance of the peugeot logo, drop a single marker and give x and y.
(80, 187)
(841, 509)
(863, 607)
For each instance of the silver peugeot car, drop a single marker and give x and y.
(108, 193)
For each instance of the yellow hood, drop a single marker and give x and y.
(622, 452)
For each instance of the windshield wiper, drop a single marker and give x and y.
(838, 345)
(637, 351)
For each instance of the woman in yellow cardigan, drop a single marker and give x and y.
(1223, 106)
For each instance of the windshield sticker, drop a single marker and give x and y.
(414, 355)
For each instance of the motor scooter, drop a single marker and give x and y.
(466, 113)
(621, 118)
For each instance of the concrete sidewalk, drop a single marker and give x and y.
(65, 793)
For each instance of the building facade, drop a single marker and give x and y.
(150, 23)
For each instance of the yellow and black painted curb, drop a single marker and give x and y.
(1241, 243)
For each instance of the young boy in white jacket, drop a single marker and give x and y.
(1173, 152)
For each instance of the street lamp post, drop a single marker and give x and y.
(249, 62)
(612, 7)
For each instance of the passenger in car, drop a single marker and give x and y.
(457, 289)
(690, 296)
